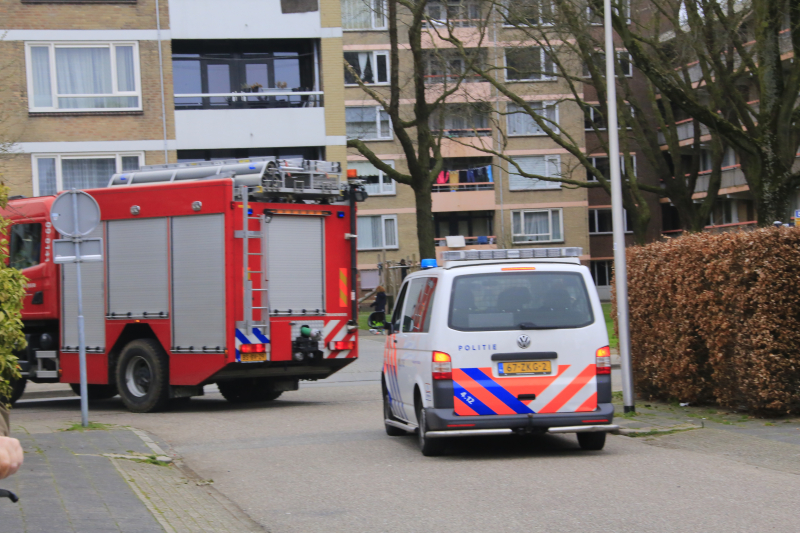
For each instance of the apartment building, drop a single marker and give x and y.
(488, 203)
(94, 87)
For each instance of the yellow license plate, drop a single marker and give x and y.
(252, 357)
(524, 367)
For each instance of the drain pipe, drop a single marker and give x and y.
(161, 77)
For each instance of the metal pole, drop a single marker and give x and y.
(617, 217)
(353, 255)
(81, 338)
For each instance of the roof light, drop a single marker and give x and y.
(603, 362)
(441, 367)
(428, 263)
(516, 253)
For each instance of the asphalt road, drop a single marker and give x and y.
(318, 460)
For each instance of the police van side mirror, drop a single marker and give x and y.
(388, 327)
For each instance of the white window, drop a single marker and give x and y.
(601, 164)
(371, 67)
(528, 13)
(446, 66)
(364, 14)
(596, 17)
(530, 63)
(600, 221)
(53, 173)
(377, 232)
(458, 13)
(599, 58)
(537, 225)
(377, 182)
(540, 165)
(519, 122)
(367, 123)
(83, 76)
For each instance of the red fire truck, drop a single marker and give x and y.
(236, 272)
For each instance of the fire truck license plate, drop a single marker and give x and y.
(252, 357)
(523, 367)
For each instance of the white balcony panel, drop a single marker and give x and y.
(241, 19)
(250, 128)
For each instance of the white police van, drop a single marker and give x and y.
(498, 342)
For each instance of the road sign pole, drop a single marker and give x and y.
(81, 338)
(618, 216)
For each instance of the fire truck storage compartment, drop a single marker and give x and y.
(137, 268)
(198, 283)
(295, 263)
(93, 303)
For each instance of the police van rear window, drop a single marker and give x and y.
(519, 300)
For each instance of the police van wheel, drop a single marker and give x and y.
(95, 392)
(428, 447)
(143, 376)
(392, 431)
(592, 441)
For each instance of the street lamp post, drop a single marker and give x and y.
(618, 215)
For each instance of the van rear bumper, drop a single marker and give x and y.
(446, 420)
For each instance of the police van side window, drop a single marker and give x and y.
(417, 316)
(25, 246)
(398, 309)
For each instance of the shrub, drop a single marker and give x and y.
(716, 318)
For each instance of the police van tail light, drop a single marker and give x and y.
(603, 360)
(441, 367)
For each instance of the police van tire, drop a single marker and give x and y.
(392, 431)
(245, 390)
(17, 388)
(95, 392)
(592, 441)
(143, 376)
(428, 447)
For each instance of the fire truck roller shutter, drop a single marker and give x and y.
(93, 302)
(137, 267)
(198, 282)
(295, 263)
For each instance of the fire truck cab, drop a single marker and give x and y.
(236, 272)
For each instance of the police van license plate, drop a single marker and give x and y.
(523, 367)
(252, 357)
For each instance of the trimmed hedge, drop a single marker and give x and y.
(716, 319)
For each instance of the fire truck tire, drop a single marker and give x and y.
(96, 392)
(17, 388)
(143, 376)
(246, 390)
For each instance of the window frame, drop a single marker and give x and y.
(554, 159)
(384, 179)
(545, 104)
(59, 157)
(608, 266)
(37, 248)
(463, 6)
(384, 218)
(590, 17)
(549, 212)
(629, 74)
(111, 45)
(543, 61)
(540, 22)
(593, 214)
(373, 17)
(378, 110)
(594, 158)
(593, 109)
(375, 54)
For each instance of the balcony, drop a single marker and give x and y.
(732, 176)
(463, 197)
(685, 131)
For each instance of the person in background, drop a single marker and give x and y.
(403, 270)
(380, 305)
(10, 449)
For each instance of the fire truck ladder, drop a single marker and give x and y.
(250, 323)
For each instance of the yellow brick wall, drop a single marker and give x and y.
(330, 13)
(68, 16)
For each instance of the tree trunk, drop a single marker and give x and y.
(425, 232)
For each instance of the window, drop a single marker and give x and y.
(364, 14)
(398, 308)
(55, 173)
(594, 118)
(378, 183)
(528, 13)
(505, 301)
(417, 315)
(367, 123)
(458, 13)
(377, 232)
(444, 66)
(519, 122)
(83, 76)
(25, 246)
(462, 120)
(371, 67)
(599, 59)
(537, 225)
(529, 64)
(602, 272)
(596, 17)
(548, 166)
(601, 164)
(600, 221)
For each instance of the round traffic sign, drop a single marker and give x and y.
(75, 213)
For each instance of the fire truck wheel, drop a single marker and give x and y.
(248, 390)
(17, 388)
(96, 392)
(143, 376)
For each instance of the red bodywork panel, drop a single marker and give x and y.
(175, 199)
